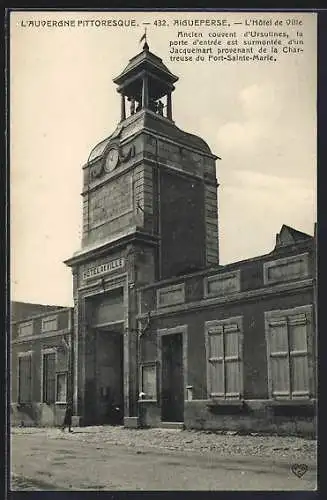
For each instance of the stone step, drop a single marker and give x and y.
(172, 425)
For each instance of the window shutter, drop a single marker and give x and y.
(25, 379)
(44, 395)
(29, 378)
(232, 360)
(224, 360)
(216, 362)
(231, 342)
(279, 358)
(21, 379)
(216, 346)
(61, 387)
(149, 381)
(62, 360)
(216, 378)
(298, 329)
(49, 378)
(298, 334)
(52, 378)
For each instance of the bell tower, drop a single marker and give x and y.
(144, 82)
(149, 213)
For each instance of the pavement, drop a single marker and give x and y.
(116, 458)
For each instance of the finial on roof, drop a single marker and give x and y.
(143, 37)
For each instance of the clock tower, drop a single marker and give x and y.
(149, 214)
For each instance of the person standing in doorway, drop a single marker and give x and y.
(68, 418)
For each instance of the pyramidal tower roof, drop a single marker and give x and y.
(148, 61)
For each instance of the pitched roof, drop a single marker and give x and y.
(142, 60)
(159, 125)
(288, 236)
(23, 310)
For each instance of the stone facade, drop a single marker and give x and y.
(149, 213)
(161, 333)
(255, 407)
(48, 332)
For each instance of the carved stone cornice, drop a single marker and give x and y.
(120, 240)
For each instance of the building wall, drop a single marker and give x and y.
(109, 197)
(236, 290)
(249, 296)
(127, 213)
(182, 224)
(243, 277)
(253, 416)
(36, 411)
(255, 350)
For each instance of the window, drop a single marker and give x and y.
(149, 381)
(25, 329)
(49, 377)
(61, 396)
(25, 377)
(49, 324)
(287, 348)
(224, 340)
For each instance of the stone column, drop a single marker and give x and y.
(145, 92)
(122, 109)
(169, 107)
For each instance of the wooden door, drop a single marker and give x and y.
(172, 395)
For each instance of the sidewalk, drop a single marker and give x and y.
(288, 449)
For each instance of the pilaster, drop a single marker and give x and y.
(130, 351)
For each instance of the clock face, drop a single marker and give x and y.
(112, 159)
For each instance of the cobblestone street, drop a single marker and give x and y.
(115, 458)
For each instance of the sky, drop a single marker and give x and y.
(259, 118)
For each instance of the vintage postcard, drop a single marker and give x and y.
(163, 250)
